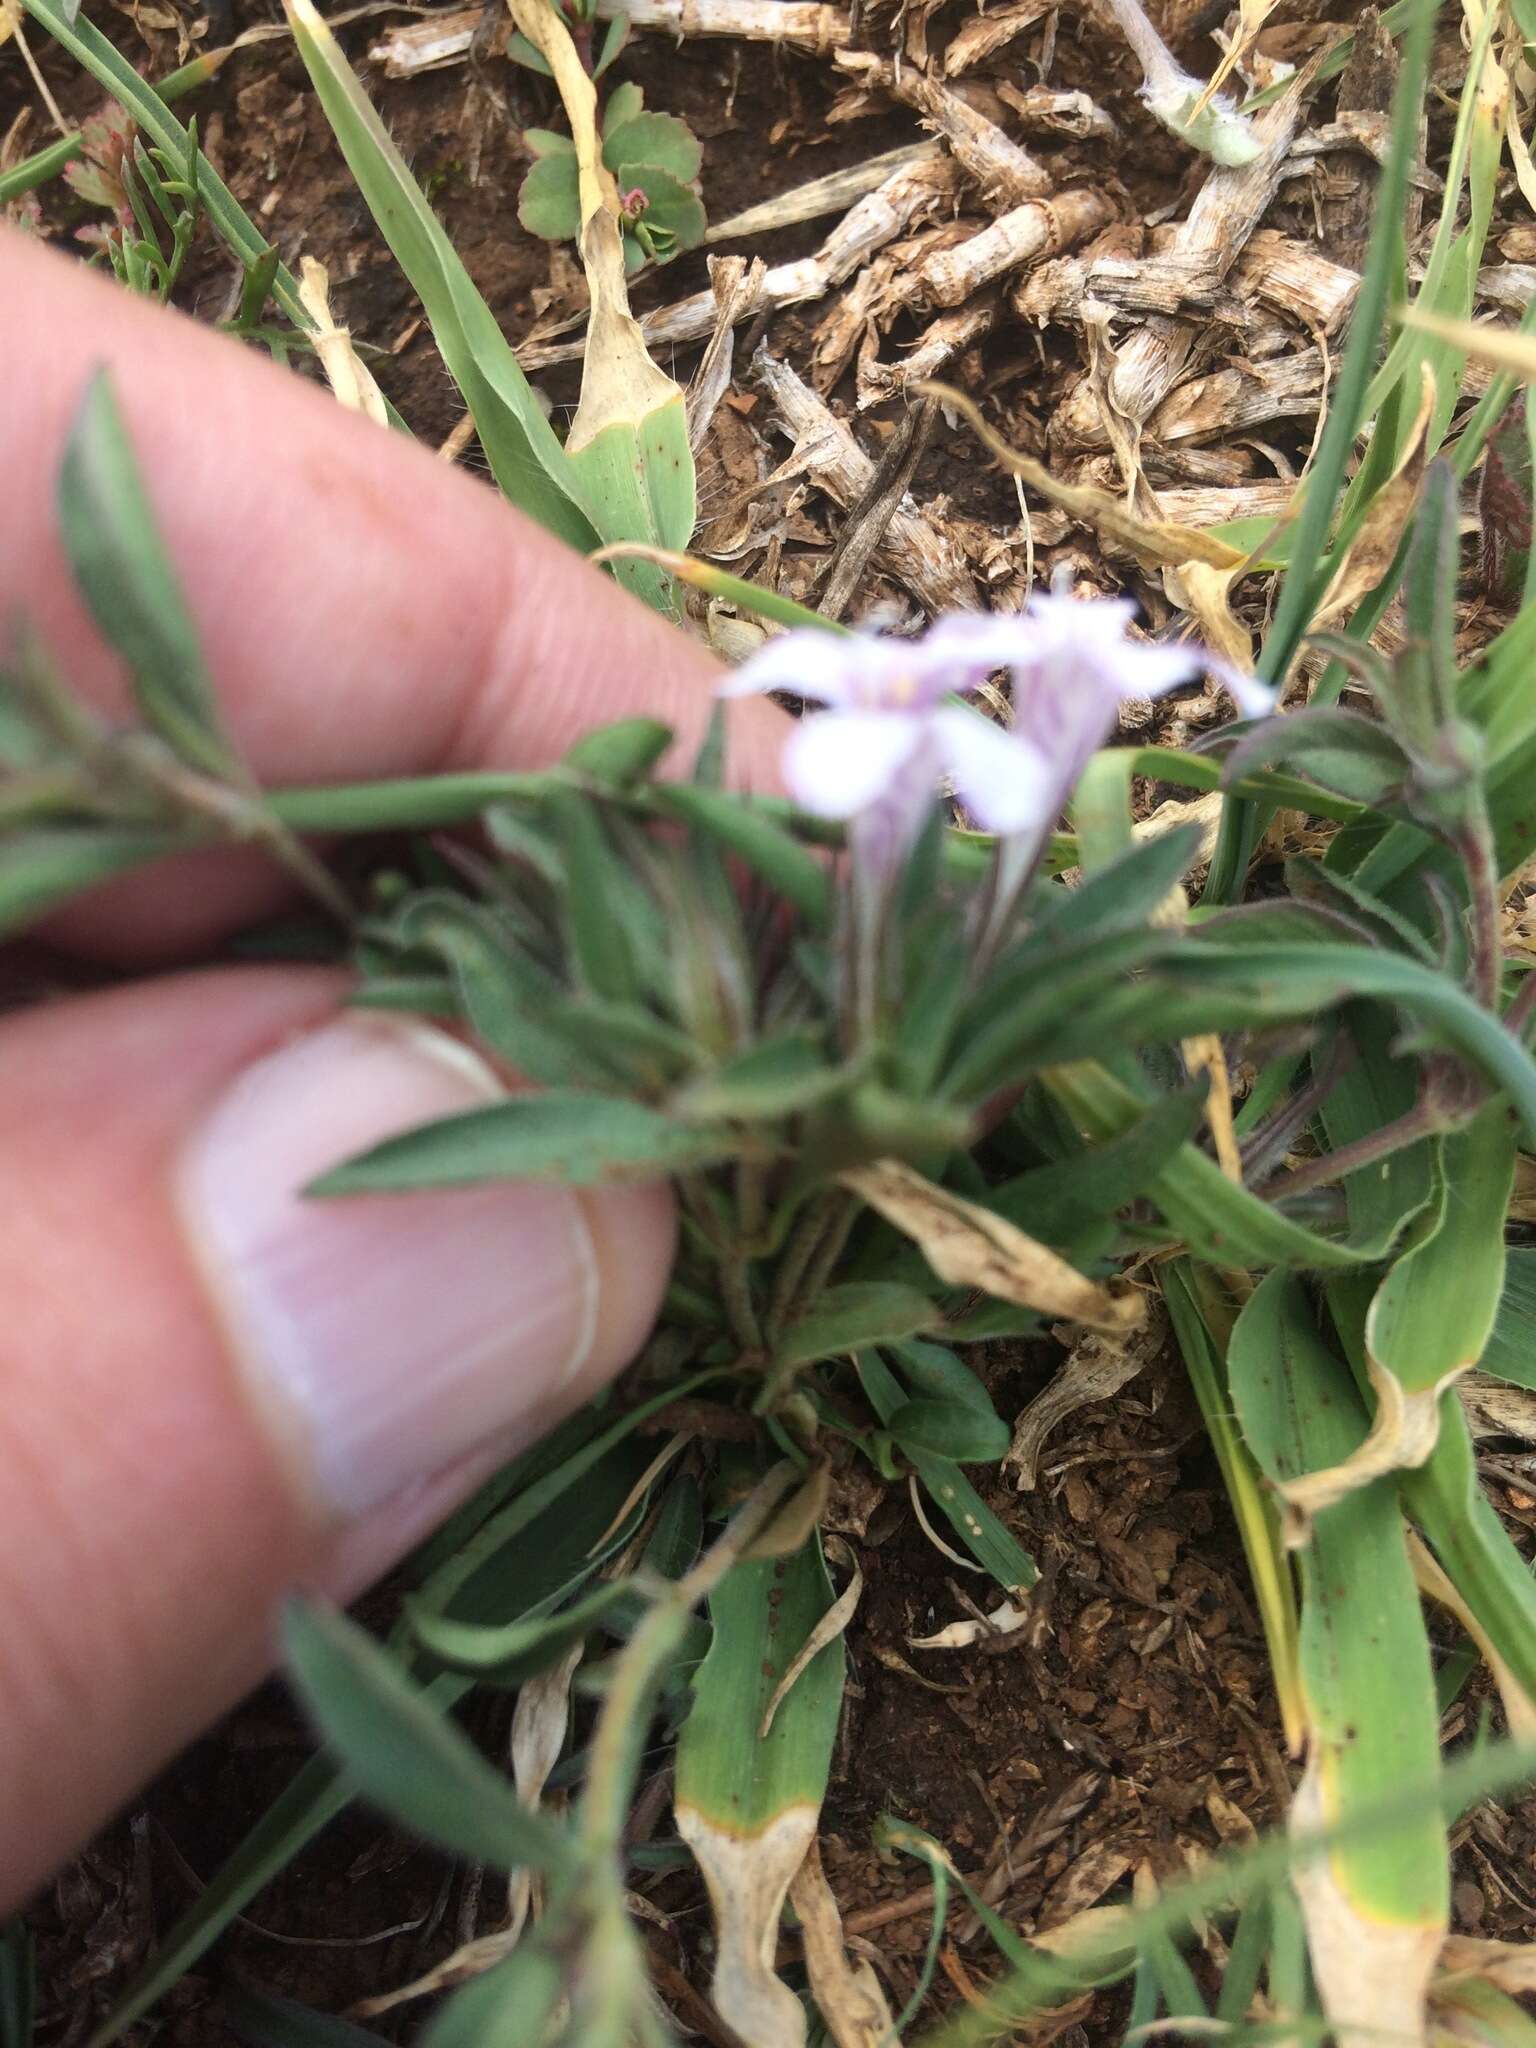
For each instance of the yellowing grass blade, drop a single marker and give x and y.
(521, 446)
(629, 440)
(1432, 1314)
(1375, 1904)
(747, 1805)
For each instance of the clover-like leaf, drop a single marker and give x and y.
(659, 139)
(548, 142)
(549, 204)
(624, 103)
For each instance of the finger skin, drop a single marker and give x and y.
(366, 610)
(148, 1529)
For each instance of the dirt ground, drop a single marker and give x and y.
(1134, 1726)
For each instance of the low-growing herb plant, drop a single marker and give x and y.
(654, 160)
(913, 1092)
(917, 1091)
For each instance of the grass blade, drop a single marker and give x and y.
(747, 1805)
(520, 445)
(134, 594)
(401, 1754)
(1376, 1909)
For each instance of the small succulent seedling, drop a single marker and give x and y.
(654, 159)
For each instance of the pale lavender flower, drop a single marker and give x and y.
(888, 734)
(875, 755)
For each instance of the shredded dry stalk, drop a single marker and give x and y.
(1230, 205)
(926, 557)
(1025, 234)
(1001, 171)
(911, 194)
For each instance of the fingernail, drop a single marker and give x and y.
(383, 1337)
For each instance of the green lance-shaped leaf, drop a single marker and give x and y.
(847, 1317)
(748, 1803)
(40, 869)
(749, 832)
(561, 1135)
(520, 445)
(779, 1077)
(1218, 1220)
(1376, 1906)
(1433, 1312)
(950, 1413)
(993, 1545)
(509, 2006)
(1446, 1499)
(1510, 1353)
(1379, 1086)
(404, 1757)
(1504, 503)
(125, 574)
(264, 2019)
(949, 1429)
(532, 1535)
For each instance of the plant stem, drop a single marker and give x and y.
(1474, 842)
(819, 1269)
(798, 1254)
(1428, 1117)
(1517, 1017)
(736, 1289)
(1268, 1145)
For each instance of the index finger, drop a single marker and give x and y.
(366, 610)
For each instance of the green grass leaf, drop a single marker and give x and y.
(949, 1429)
(765, 846)
(1510, 1352)
(561, 1135)
(404, 1758)
(112, 71)
(520, 445)
(1376, 1908)
(125, 574)
(263, 2019)
(848, 1317)
(747, 1803)
(1307, 576)
(508, 2006)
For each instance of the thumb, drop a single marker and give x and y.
(213, 1387)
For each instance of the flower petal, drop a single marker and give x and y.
(1252, 698)
(1002, 780)
(844, 761)
(805, 663)
(1092, 634)
(968, 646)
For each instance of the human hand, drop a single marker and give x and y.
(210, 1390)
